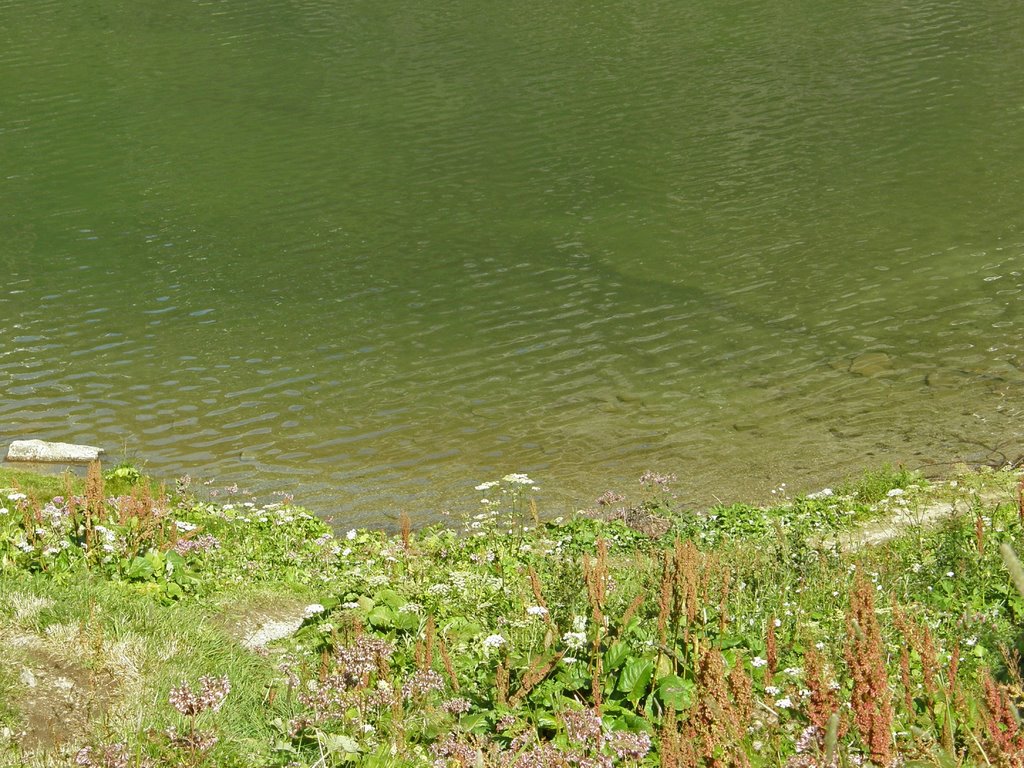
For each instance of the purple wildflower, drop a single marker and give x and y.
(422, 683)
(211, 695)
(630, 746)
(584, 728)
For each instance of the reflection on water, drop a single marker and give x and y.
(377, 255)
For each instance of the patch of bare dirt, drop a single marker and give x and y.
(59, 700)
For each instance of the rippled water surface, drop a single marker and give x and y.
(374, 253)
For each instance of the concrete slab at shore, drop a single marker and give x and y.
(42, 451)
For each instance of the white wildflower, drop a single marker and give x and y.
(493, 641)
(575, 640)
(351, 535)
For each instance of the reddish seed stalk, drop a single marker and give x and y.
(865, 657)
(715, 726)
(824, 700)
(771, 651)
(665, 597)
(447, 661)
(1020, 499)
(723, 603)
(1004, 734)
(406, 526)
(501, 682)
(538, 594)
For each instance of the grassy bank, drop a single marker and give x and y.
(146, 628)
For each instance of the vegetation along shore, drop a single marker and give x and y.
(878, 622)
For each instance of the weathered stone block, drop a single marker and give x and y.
(40, 450)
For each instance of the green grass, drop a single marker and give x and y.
(123, 621)
(34, 484)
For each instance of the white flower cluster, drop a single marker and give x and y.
(517, 478)
(574, 640)
(493, 641)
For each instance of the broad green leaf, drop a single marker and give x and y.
(174, 591)
(477, 722)
(635, 677)
(664, 666)
(547, 720)
(628, 721)
(406, 620)
(615, 656)
(731, 641)
(176, 560)
(336, 742)
(140, 569)
(676, 692)
(391, 598)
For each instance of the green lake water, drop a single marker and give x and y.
(375, 253)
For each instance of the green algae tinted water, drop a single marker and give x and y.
(376, 253)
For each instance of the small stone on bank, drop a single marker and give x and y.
(39, 450)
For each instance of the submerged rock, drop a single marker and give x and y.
(39, 450)
(871, 364)
(948, 379)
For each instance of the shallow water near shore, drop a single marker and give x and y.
(379, 254)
